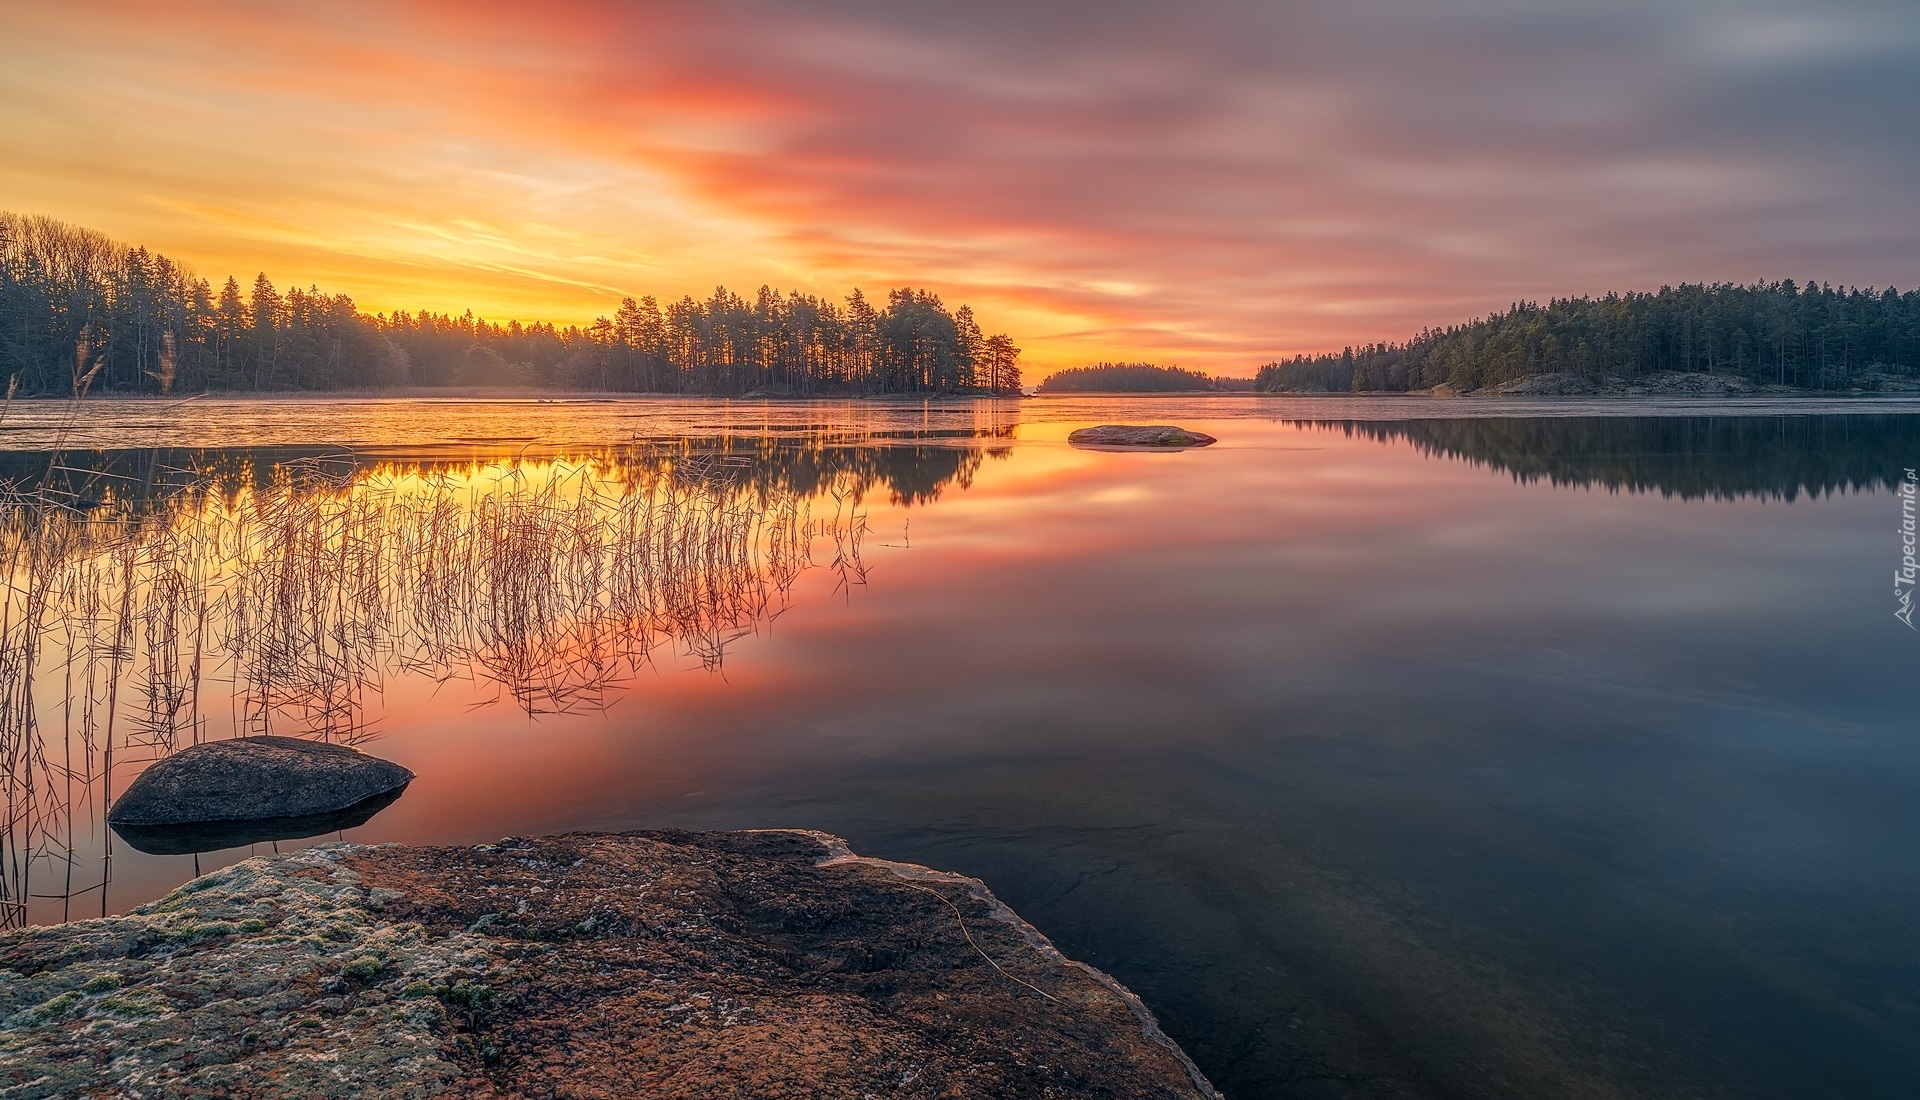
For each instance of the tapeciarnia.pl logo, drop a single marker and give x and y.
(1904, 576)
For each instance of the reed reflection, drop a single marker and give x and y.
(159, 599)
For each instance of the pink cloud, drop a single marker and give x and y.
(1216, 185)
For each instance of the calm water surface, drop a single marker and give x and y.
(1425, 749)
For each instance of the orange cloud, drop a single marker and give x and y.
(1214, 186)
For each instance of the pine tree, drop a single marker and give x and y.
(265, 314)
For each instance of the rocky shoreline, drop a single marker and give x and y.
(746, 964)
(1674, 384)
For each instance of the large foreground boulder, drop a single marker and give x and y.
(669, 964)
(1138, 437)
(255, 778)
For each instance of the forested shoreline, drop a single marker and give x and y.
(1126, 378)
(81, 313)
(1779, 334)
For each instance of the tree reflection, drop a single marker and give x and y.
(1689, 457)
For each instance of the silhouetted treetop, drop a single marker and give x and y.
(81, 313)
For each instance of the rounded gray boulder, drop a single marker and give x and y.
(251, 778)
(1138, 437)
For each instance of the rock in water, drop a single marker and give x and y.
(214, 836)
(717, 966)
(253, 778)
(1149, 437)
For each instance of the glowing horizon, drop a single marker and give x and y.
(1213, 186)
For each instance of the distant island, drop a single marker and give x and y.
(81, 313)
(1135, 378)
(1691, 339)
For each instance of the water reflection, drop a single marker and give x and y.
(1376, 761)
(1690, 457)
(161, 598)
(214, 836)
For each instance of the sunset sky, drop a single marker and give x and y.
(1210, 184)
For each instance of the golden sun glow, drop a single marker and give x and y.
(1214, 190)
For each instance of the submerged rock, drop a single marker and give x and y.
(1130, 437)
(214, 836)
(255, 778)
(668, 964)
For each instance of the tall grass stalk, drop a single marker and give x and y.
(136, 621)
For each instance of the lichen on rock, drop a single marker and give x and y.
(199, 993)
(755, 964)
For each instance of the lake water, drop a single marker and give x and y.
(1400, 747)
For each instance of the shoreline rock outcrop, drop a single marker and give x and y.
(749, 964)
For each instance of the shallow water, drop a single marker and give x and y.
(1396, 748)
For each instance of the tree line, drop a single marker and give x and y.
(1811, 336)
(80, 313)
(1125, 378)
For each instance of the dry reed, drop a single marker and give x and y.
(136, 614)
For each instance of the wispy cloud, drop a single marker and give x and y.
(1209, 183)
